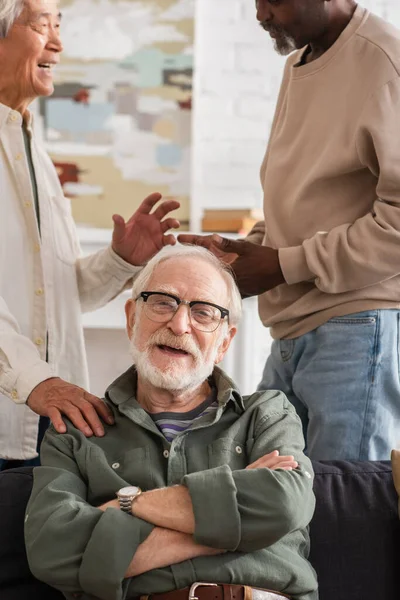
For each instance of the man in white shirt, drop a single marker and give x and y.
(44, 283)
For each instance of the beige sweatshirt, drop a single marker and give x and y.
(331, 180)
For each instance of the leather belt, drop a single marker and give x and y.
(215, 591)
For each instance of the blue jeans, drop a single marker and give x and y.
(343, 379)
(5, 464)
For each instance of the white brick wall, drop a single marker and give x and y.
(237, 80)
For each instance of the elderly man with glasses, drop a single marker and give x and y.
(196, 492)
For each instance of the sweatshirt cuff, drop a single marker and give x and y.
(28, 380)
(217, 519)
(294, 265)
(119, 267)
(112, 545)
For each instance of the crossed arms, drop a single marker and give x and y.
(171, 511)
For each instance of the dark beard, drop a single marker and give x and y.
(284, 44)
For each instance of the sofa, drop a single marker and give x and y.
(355, 534)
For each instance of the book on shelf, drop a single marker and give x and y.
(231, 221)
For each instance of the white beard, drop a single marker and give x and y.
(174, 378)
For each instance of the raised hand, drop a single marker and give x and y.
(140, 238)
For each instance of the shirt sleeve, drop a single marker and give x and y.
(71, 545)
(251, 509)
(363, 253)
(21, 367)
(101, 277)
(256, 235)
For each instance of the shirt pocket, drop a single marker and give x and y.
(225, 451)
(106, 472)
(134, 467)
(64, 233)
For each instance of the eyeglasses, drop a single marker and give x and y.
(204, 316)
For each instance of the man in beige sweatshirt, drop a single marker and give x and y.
(326, 261)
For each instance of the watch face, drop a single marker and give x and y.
(129, 491)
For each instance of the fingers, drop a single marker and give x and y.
(273, 461)
(169, 240)
(75, 415)
(166, 207)
(170, 224)
(149, 203)
(119, 228)
(264, 460)
(227, 245)
(101, 408)
(55, 417)
(196, 240)
(90, 416)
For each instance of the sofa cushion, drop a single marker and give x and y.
(396, 472)
(355, 532)
(16, 580)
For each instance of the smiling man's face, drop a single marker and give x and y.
(29, 53)
(174, 355)
(292, 24)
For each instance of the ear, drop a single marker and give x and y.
(130, 311)
(225, 343)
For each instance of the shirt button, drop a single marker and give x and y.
(36, 248)
(115, 465)
(28, 204)
(13, 117)
(39, 341)
(307, 474)
(14, 395)
(165, 454)
(39, 292)
(238, 450)
(18, 157)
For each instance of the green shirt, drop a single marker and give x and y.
(260, 516)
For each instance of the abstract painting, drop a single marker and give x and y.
(118, 125)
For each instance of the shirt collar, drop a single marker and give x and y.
(123, 388)
(8, 116)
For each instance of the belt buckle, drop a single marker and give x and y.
(197, 584)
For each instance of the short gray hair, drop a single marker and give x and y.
(169, 253)
(10, 10)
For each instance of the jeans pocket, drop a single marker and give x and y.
(363, 318)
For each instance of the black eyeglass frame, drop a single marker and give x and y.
(146, 295)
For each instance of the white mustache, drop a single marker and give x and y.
(166, 338)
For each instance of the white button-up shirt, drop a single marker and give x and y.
(44, 286)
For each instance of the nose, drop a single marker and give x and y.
(54, 42)
(263, 11)
(180, 322)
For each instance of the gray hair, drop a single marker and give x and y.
(10, 10)
(171, 252)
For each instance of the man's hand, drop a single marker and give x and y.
(211, 243)
(55, 397)
(273, 461)
(256, 268)
(140, 238)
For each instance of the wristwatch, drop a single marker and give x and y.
(126, 496)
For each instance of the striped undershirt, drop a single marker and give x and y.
(172, 424)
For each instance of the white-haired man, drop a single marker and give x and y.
(194, 483)
(44, 285)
